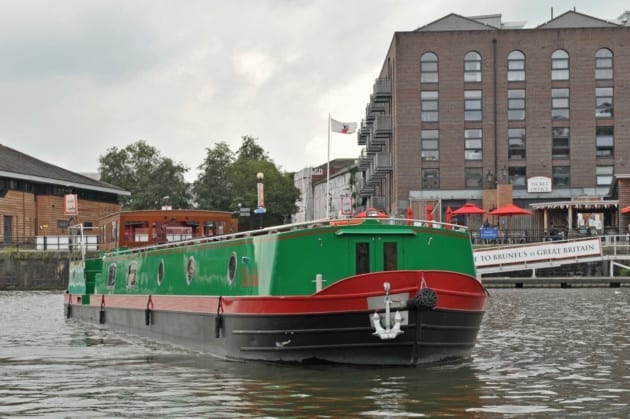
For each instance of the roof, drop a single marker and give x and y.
(17, 165)
(584, 204)
(572, 19)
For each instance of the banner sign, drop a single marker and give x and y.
(71, 204)
(533, 253)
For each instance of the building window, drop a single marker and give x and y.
(605, 141)
(603, 64)
(430, 144)
(560, 143)
(516, 66)
(604, 175)
(560, 65)
(516, 104)
(429, 68)
(472, 66)
(472, 105)
(473, 177)
(472, 144)
(429, 105)
(518, 176)
(430, 178)
(516, 143)
(561, 176)
(559, 103)
(604, 102)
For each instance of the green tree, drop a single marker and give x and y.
(153, 180)
(227, 180)
(280, 192)
(213, 185)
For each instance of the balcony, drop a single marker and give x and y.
(365, 159)
(382, 91)
(383, 163)
(372, 110)
(363, 133)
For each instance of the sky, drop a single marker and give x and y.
(80, 77)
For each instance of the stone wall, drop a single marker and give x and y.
(30, 270)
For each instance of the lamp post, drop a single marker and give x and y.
(260, 206)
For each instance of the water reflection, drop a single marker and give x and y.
(540, 353)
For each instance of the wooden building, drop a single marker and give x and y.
(41, 199)
(147, 227)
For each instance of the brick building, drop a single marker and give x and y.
(476, 109)
(35, 197)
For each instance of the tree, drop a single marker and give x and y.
(280, 192)
(228, 180)
(153, 180)
(213, 185)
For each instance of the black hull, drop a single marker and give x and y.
(347, 338)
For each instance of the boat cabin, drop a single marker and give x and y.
(148, 227)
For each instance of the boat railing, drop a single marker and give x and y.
(283, 228)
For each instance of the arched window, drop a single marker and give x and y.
(560, 65)
(516, 66)
(472, 66)
(429, 68)
(603, 64)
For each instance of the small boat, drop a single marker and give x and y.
(363, 291)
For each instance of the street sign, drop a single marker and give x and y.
(245, 212)
(260, 210)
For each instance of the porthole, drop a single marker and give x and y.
(160, 272)
(190, 270)
(111, 275)
(131, 274)
(231, 267)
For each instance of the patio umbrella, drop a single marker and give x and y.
(509, 210)
(625, 210)
(371, 213)
(468, 209)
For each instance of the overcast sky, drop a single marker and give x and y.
(79, 77)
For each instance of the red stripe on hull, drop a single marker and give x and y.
(455, 292)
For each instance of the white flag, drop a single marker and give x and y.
(342, 127)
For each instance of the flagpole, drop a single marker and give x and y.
(328, 173)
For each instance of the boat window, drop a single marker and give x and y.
(111, 275)
(160, 272)
(232, 267)
(362, 252)
(131, 274)
(190, 270)
(390, 256)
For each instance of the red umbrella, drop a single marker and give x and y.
(510, 209)
(371, 213)
(429, 212)
(625, 210)
(468, 209)
(449, 217)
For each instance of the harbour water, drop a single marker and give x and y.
(541, 353)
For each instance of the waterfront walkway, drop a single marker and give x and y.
(610, 255)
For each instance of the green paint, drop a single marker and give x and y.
(283, 263)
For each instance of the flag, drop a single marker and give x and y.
(342, 127)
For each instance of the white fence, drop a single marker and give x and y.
(65, 243)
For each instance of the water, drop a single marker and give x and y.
(541, 353)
